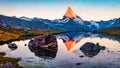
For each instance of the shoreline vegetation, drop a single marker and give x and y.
(115, 32)
(12, 34)
(7, 61)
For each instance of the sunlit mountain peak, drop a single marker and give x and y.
(70, 13)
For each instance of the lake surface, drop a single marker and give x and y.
(70, 53)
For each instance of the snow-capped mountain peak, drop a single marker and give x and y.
(25, 18)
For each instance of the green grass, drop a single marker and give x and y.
(5, 36)
(110, 31)
(39, 32)
(11, 34)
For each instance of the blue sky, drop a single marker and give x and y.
(102, 2)
(55, 9)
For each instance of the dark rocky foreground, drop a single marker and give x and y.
(7, 62)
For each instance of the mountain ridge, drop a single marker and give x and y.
(70, 22)
(65, 24)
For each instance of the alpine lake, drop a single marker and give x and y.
(75, 50)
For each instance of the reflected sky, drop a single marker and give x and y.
(78, 38)
(65, 58)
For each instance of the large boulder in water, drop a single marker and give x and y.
(90, 49)
(44, 46)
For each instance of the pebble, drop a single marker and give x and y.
(79, 63)
(82, 56)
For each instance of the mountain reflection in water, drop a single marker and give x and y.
(70, 39)
(68, 50)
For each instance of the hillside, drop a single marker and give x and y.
(10, 34)
(110, 31)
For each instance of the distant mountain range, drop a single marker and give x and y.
(21, 23)
(69, 22)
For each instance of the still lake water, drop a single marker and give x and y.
(69, 54)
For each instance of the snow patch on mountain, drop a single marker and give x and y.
(25, 18)
(78, 20)
(94, 23)
(62, 20)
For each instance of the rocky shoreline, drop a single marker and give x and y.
(28, 36)
(6, 62)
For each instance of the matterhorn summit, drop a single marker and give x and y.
(70, 13)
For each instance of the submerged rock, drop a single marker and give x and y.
(81, 56)
(25, 44)
(79, 63)
(12, 46)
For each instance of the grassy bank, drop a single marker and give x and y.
(12, 34)
(7, 34)
(110, 31)
(39, 32)
(4, 60)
